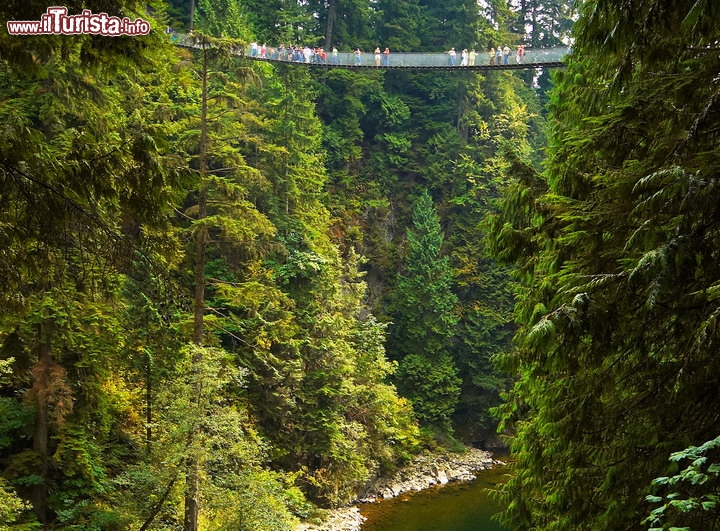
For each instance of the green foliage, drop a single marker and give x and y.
(12, 510)
(448, 23)
(15, 420)
(262, 504)
(693, 501)
(423, 305)
(389, 136)
(399, 24)
(432, 386)
(226, 445)
(282, 21)
(108, 146)
(222, 19)
(87, 413)
(424, 321)
(288, 306)
(615, 244)
(317, 381)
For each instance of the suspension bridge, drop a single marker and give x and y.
(532, 58)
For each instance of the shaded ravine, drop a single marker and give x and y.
(462, 506)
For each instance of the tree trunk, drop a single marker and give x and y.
(534, 36)
(148, 401)
(41, 439)
(192, 14)
(156, 509)
(192, 489)
(331, 13)
(530, 73)
(522, 17)
(192, 476)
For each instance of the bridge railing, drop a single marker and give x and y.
(408, 59)
(400, 59)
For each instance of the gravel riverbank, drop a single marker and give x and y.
(424, 471)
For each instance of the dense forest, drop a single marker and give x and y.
(235, 291)
(616, 243)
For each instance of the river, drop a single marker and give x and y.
(453, 507)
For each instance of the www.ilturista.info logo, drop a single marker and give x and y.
(56, 21)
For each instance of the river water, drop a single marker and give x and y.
(453, 507)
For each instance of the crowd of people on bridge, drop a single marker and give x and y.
(312, 55)
(293, 53)
(503, 54)
(499, 56)
(317, 55)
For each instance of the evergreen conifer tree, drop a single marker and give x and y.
(616, 246)
(423, 309)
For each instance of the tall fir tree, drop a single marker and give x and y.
(424, 321)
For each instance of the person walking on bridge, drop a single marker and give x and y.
(472, 57)
(377, 55)
(452, 55)
(464, 57)
(506, 54)
(492, 56)
(358, 56)
(386, 56)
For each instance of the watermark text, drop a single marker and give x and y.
(56, 21)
